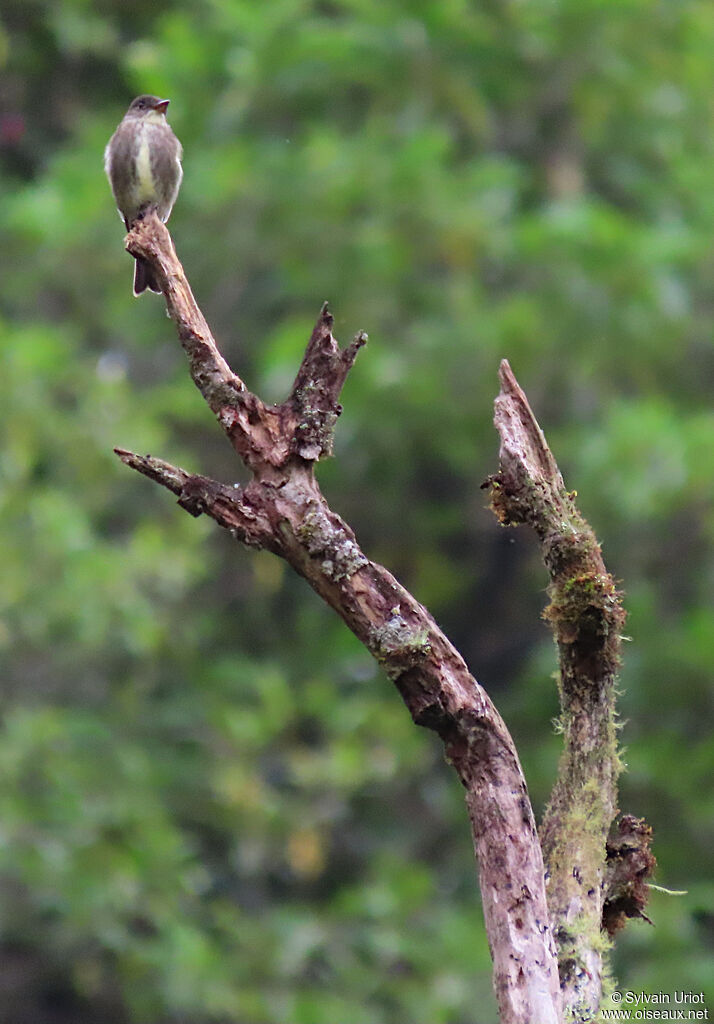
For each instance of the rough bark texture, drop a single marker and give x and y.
(283, 510)
(630, 862)
(587, 617)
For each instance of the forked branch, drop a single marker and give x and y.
(282, 509)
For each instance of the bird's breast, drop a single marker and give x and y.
(145, 185)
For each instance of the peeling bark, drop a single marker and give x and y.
(630, 862)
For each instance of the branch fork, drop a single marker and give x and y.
(283, 510)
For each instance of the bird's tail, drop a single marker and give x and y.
(144, 278)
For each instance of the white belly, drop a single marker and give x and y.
(145, 189)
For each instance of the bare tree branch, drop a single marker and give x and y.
(586, 615)
(317, 388)
(227, 504)
(283, 510)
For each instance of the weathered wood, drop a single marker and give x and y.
(587, 617)
(282, 509)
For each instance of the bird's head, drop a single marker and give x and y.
(150, 107)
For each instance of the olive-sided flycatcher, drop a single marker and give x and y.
(143, 164)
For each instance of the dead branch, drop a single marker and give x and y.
(586, 615)
(282, 509)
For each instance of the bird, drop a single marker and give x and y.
(143, 163)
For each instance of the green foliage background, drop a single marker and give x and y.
(213, 808)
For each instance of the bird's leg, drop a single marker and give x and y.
(146, 208)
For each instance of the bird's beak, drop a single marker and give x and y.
(161, 106)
